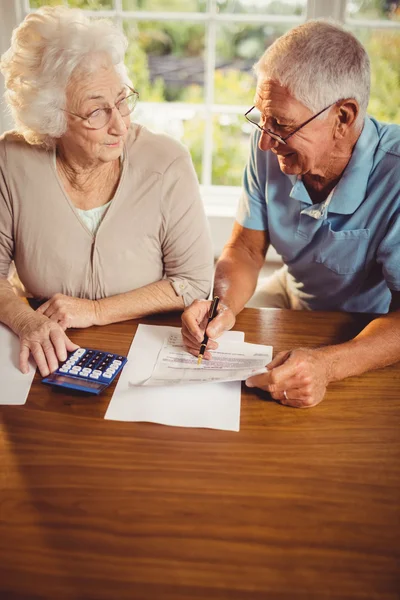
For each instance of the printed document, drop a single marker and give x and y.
(212, 405)
(15, 385)
(232, 361)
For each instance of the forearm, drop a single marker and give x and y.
(14, 312)
(158, 297)
(376, 346)
(235, 279)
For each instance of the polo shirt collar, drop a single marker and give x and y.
(352, 186)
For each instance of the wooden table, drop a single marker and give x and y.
(301, 504)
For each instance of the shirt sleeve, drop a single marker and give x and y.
(252, 209)
(6, 220)
(186, 241)
(388, 254)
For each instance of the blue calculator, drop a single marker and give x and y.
(87, 370)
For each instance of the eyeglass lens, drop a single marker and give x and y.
(254, 116)
(103, 115)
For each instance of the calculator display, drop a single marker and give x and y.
(54, 378)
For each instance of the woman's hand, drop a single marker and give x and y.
(69, 312)
(298, 378)
(194, 323)
(47, 343)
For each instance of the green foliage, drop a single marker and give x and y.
(170, 6)
(384, 50)
(245, 43)
(87, 4)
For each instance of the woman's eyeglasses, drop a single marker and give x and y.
(101, 116)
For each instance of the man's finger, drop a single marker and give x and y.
(221, 323)
(191, 326)
(278, 360)
(189, 339)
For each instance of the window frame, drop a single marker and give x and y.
(219, 198)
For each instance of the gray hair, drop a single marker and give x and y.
(319, 63)
(47, 48)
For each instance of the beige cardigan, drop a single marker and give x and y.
(154, 228)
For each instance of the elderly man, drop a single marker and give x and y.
(322, 185)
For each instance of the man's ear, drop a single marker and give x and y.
(347, 114)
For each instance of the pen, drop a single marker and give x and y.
(213, 312)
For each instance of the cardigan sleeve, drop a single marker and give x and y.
(6, 218)
(186, 240)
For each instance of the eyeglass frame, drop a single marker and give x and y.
(276, 136)
(108, 108)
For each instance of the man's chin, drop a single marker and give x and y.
(288, 164)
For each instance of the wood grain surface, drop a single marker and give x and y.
(300, 504)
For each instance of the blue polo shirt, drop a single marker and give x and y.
(344, 253)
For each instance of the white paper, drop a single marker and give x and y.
(15, 385)
(213, 405)
(232, 361)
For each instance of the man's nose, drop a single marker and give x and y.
(266, 142)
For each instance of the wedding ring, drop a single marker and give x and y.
(285, 394)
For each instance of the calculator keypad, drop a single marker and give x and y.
(92, 364)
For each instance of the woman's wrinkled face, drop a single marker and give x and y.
(308, 150)
(101, 88)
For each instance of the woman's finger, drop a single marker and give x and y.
(43, 307)
(50, 355)
(40, 359)
(57, 338)
(69, 344)
(24, 358)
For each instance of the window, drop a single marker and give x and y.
(191, 61)
(376, 23)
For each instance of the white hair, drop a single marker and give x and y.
(47, 49)
(319, 63)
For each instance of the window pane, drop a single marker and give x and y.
(239, 46)
(166, 60)
(374, 9)
(383, 47)
(270, 7)
(231, 144)
(166, 5)
(183, 123)
(86, 4)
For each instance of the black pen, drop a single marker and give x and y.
(213, 313)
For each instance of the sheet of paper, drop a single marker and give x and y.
(232, 361)
(15, 385)
(212, 405)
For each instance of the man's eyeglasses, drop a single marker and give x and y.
(276, 136)
(101, 116)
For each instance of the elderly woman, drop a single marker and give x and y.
(102, 218)
(322, 186)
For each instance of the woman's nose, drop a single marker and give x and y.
(117, 122)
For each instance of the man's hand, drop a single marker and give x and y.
(194, 322)
(46, 341)
(69, 312)
(302, 374)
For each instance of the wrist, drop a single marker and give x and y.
(330, 355)
(97, 313)
(24, 320)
